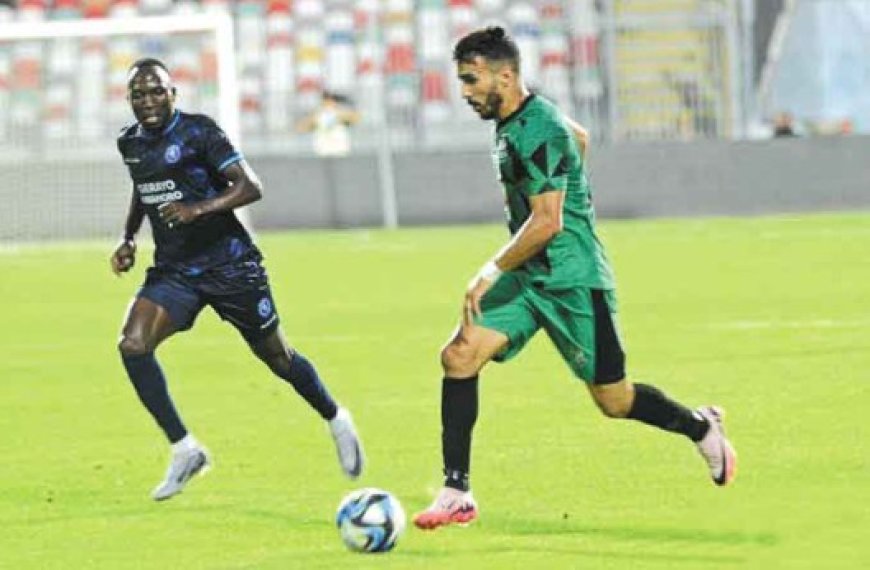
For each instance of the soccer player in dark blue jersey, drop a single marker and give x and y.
(187, 179)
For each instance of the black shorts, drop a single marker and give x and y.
(609, 357)
(238, 292)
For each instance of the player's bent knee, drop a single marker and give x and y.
(279, 365)
(274, 354)
(458, 359)
(134, 345)
(609, 411)
(613, 407)
(615, 399)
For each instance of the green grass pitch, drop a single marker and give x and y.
(769, 317)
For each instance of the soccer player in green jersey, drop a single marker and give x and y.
(552, 274)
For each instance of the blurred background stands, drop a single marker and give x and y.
(629, 69)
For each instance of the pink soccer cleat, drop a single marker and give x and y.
(451, 506)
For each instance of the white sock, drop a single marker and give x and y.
(185, 444)
(339, 412)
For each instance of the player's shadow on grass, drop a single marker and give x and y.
(582, 550)
(593, 549)
(724, 537)
(593, 552)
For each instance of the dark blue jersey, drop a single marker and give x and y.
(185, 162)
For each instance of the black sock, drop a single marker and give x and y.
(150, 385)
(304, 379)
(652, 407)
(458, 414)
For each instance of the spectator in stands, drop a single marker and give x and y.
(699, 110)
(831, 127)
(783, 125)
(330, 123)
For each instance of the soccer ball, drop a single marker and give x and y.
(370, 520)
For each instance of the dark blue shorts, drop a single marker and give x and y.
(238, 292)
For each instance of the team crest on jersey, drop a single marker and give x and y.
(264, 307)
(172, 154)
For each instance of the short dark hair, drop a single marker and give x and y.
(491, 43)
(143, 62)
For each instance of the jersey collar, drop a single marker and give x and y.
(519, 110)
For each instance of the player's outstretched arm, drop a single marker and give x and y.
(580, 134)
(544, 222)
(124, 256)
(245, 188)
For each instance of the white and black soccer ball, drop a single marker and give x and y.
(370, 520)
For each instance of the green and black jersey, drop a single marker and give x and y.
(535, 151)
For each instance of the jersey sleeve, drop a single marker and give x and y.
(121, 141)
(547, 160)
(217, 147)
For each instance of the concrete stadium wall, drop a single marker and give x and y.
(664, 179)
(784, 175)
(62, 200)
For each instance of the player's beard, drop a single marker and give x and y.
(489, 108)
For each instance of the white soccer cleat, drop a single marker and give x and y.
(716, 449)
(451, 506)
(184, 466)
(347, 443)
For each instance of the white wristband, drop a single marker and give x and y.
(490, 271)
